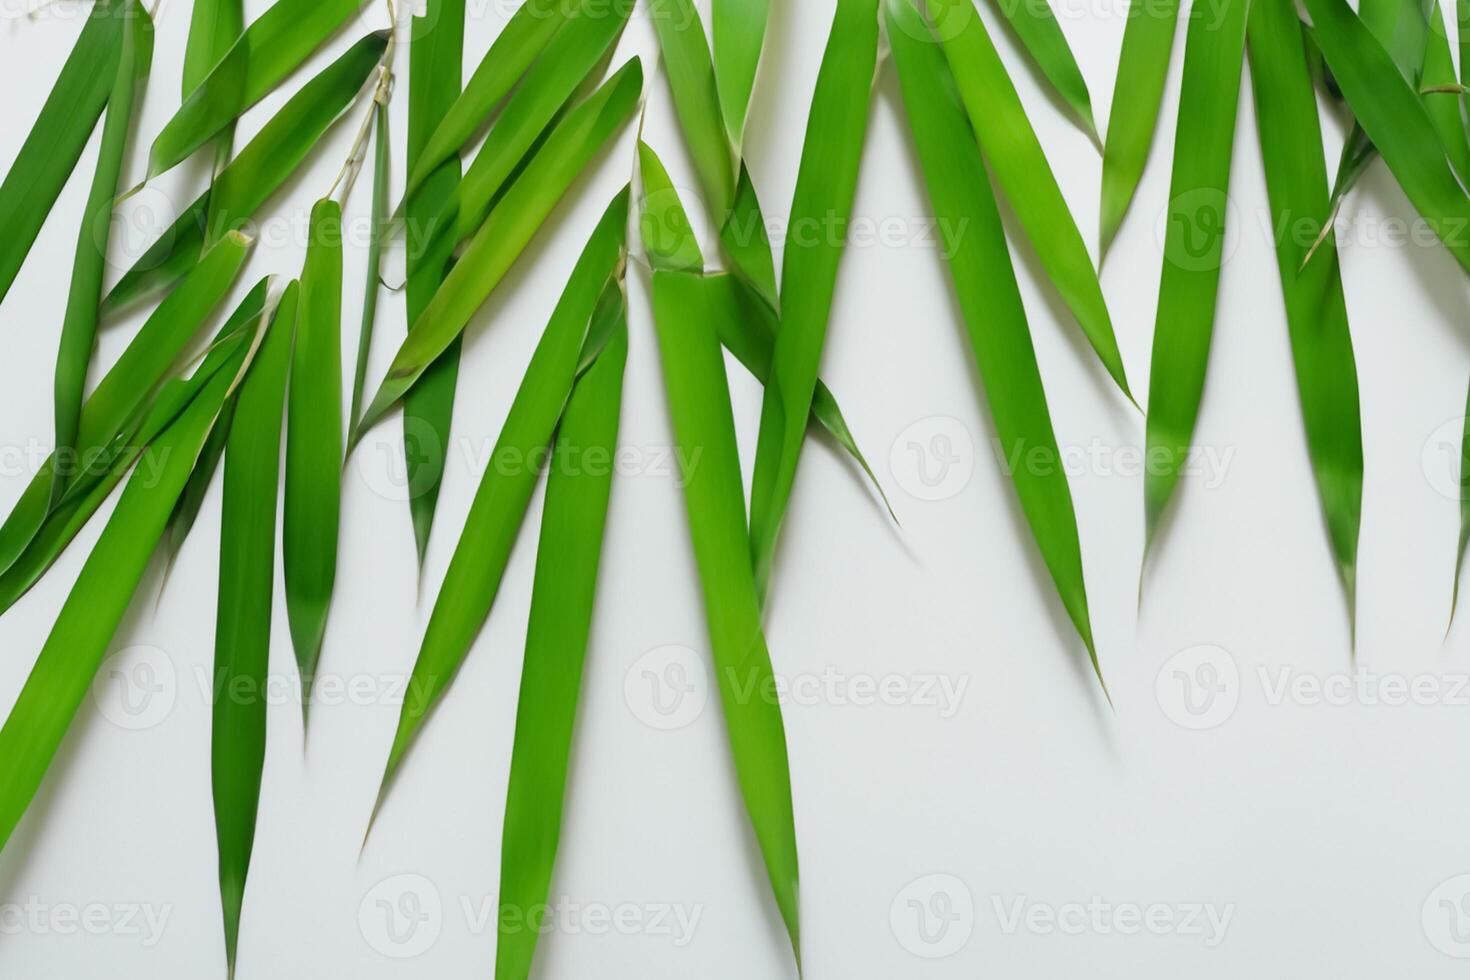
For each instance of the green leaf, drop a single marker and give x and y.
(79, 328)
(739, 28)
(1143, 70)
(510, 227)
(314, 444)
(128, 385)
(271, 48)
(63, 672)
(569, 60)
(1322, 347)
(728, 191)
(470, 585)
(1194, 245)
(242, 188)
(242, 640)
(562, 601)
(826, 187)
(1036, 25)
(1393, 115)
(435, 70)
(55, 143)
(1444, 104)
(746, 326)
(990, 300)
(519, 43)
(381, 162)
(213, 29)
(111, 464)
(1016, 158)
(704, 429)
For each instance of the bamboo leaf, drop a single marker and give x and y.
(739, 28)
(381, 162)
(1322, 346)
(593, 294)
(568, 61)
(55, 143)
(435, 70)
(88, 621)
(995, 318)
(1143, 70)
(79, 328)
(314, 444)
(510, 227)
(1444, 98)
(1016, 158)
(1194, 245)
(728, 191)
(128, 384)
(1035, 23)
(704, 428)
(826, 187)
(272, 47)
(519, 43)
(213, 29)
(253, 177)
(247, 578)
(112, 462)
(1464, 511)
(563, 598)
(1394, 117)
(746, 326)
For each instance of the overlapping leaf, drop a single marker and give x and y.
(247, 580)
(985, 282)
(1194, 245)
(506, 232)
(1316, 309)
(826, 187)
(314, 444)
(592, 294)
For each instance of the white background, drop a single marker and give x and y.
(1328, 833)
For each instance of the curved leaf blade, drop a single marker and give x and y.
(980, 265)
(826, 188)
(1194, 246)
(314, 445)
